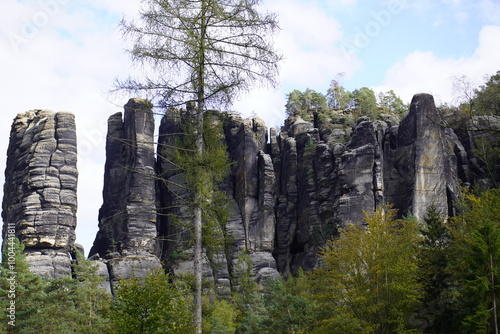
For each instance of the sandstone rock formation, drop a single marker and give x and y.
(288, 191)
(40, 189)
(422, 161)
(251, 193)
(127, 219)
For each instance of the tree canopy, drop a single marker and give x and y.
(487, 99)
(368, 280)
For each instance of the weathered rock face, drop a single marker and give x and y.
(325, 183)
(40, 189)
(421, 159)
(251, 193)
(288, 192)
(253, 187)
(127, 219)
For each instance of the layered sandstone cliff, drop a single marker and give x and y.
(40, 189)
(288, 192)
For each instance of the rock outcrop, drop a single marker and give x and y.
(40, 189)
(250, 190)
(126, 240)
(422, 162)
(288, 192)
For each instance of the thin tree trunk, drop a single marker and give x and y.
(495, 321)
(198, 319)
(198, 225)
(198, 230)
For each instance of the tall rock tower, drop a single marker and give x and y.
(40, 189)
(127, 236)
(423, 161)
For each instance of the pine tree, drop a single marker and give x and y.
(61, 306)
(25, 289)
(476, 259)
(434, 259)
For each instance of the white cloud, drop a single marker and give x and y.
(423, 72)
(310, 42)
(68, 62)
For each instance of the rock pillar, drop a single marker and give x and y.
(40, 189)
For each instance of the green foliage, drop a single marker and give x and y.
(436, 313)
(93, 303)
(276, 307)
(220, 317)
(487, 99)
(304, 104)
(487, 149)
(247, 296)
(368, 281)
(391, 103)
(365, 102)
(337, 96)
(64, 305)
(476, 260)
(288, 308)
(151, 305)
(203, 175)
(310, 149)
(28, 290)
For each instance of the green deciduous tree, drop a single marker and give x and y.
(392, 103)
(204, 51)
(220, 317)
(368, 279)
(487, 99)
(365, 102)
(476, 261)
(337, 96)
(305, 103)
(151, 305)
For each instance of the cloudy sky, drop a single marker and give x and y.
(65, 55)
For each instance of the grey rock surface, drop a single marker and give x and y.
(288, 191)
(127, 236)
(40, 189)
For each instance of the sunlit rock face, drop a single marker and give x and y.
(423, 155)
(40, 189)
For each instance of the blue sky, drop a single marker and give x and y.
(65, 55)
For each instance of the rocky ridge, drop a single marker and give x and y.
(288, 191)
